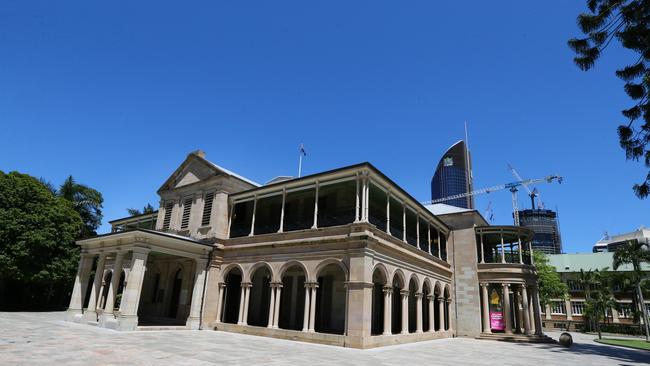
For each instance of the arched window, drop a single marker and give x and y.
(330, 300)
(378, 283)
(260, 298)
(232, 296)
(396, 305)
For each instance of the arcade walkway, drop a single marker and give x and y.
(45, 339)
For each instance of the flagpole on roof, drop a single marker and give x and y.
(301, 153)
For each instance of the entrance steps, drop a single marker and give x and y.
(516, 338)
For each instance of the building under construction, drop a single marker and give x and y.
(544, 223)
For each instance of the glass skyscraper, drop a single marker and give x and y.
(545, 225)
(453, 176)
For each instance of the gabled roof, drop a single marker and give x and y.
(588, 261)
(199, 156)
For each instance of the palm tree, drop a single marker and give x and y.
(596, 306)
(635, 253)
(86, 201)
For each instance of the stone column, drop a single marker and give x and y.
(194, 319)
(305, 322)
(615, 316)
(276, 313)
(524, 298)
(246, 302)
(418, 312)
(242, 296)
(569, 309)
(482, 250)
(518, 311)
(538, 317)
(548, 311)
(521, 257)
(487, 328)
(312, 308)
(253, 219)
(315, 225)
(531, 315)
(448, 307)
(284, 199)
(115, 282)
(432, 321)
(503, 250)
(388, 310)
(91, 311)
(128, 319)
(405, 311)
(75, 309)
(357, 207)
(441, 313)
(506, 308)
(221, 293)
(388, 213)
(270, 322)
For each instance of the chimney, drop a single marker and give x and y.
(200, 153)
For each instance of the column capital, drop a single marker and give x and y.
(430, 297)
(222, 284)
(484, 284)
(311, 284)
(419, 295)
(387, 290)
(505, 285)
(405, 292)
(276, 284)
(246, 284)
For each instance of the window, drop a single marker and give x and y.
(396, 219)
(169, 206)
(242, 219)
(337, 203)
(424, 236)
(575, 285)
(299, 210)
(443, 247)
(267, 214)
(187, 207)
(377, 208)
(434, 241)
(577, 307)
(557, 307)
(207, 209)
(625, 310)
(411, 228)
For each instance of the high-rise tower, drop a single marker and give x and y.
(454, 176)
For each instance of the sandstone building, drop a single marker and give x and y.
(343, 257)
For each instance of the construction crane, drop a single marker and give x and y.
(512, 187)
(532, 194)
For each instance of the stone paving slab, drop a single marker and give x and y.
(45, 339)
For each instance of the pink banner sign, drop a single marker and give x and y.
(496, 321)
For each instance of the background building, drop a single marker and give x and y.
(454, 176)
(544, 224)
(568, 313)
(611, 243)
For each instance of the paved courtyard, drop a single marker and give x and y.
(43, 338)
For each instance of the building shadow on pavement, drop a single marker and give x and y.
(624, 355)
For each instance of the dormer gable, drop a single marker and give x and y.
(195, 168)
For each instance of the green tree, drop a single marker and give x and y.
(601, 299)
(135, 212)
(627, 22)
(550, 284)
(635, 253)
(37, 233)
(87, 202)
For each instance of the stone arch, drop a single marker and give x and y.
(427, 291)
(380, 279)
(399, 275)
(232, 278)
(326, 262)
(331, 296)
(229, 268)
(398, 284)
(287, 265)
(251, 271)
(293, 276)
(446, 306)
(381, 269)
(413, 292)
(260, 276)
(437, 297)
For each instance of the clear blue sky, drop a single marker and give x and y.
(117, 93)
